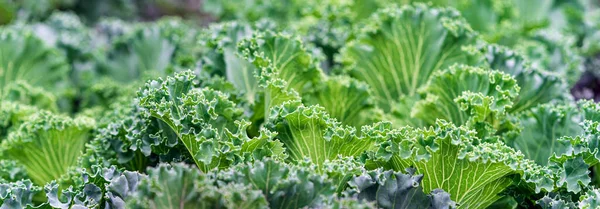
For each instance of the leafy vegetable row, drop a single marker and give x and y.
(353, 106)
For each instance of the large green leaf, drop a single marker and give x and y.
(168, 111)
(286, 57)
(537, 86)
(542, 126)
(289, 68)
(400, 48)
(483, 15)
(452, 158)
(465, 94)
(47, 145)
(309, 132)
(579, 153)
(223, 58)
(345, 99)
(204, 121)
(23, 93)
(25, 57)
(561, 138)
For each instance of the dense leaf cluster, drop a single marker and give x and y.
(302, 104)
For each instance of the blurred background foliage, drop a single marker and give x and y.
(579, 18)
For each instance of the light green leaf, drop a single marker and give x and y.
(276, 93)
(47, 145)
(345, 99)
(542, 126)
(25, 57)
(285, 57)
(400, 48)
(23, 93)
(12, 115)
(452, 158)
(241, 74)
(203, 120)
(223, 59)
(537, 86)
(309, 132)
(466, 95)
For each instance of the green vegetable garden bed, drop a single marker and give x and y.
(299, 104)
